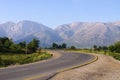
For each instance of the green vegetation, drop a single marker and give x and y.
(8, 59)
(115, 47)
(61, 46)
(7, 45)
(21, 53)
(58, 46)
(112, 50)
(72, 48)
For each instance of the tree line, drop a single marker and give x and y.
(61, 46)
(112, 48)
(7, 45)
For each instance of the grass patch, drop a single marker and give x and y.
(7, 59)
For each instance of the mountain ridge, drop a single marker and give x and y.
(79, 34)
(89, 34)
(27, 30)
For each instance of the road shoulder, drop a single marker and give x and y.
(105, 68)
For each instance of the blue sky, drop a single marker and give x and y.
(56, 12)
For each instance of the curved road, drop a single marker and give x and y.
(67, 59)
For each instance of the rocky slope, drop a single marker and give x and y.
(27, 30)
(89, 34)
(79, 34)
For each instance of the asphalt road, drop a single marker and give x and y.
(67, 59)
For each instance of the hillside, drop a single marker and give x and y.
(89, 34)
(79, 34)
(27, 30)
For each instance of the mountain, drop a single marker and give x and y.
(79, 34)
(5, 28)
(84, 34)
(27, 30)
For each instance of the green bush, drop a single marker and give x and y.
(7, 59)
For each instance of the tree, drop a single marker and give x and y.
(72, 47)
(54, 46)
(7, 44)
(95, 47)
(4, 39)
(99, 48)
(59, 47)
(1, 46)
(104, 48)
(111, 48)
(36, 42)
(117, 46)
(22, 44)
(13, 47)
(33, 45)
(64, 46)
(1, 61)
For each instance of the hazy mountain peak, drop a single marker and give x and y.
(80, 34)
(8, 23)
(27, 21)
(87, 34)
(116, 23)
(74, 24)
(27, 30)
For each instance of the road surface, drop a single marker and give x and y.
(29, 72)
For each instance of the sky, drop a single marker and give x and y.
(53, 13)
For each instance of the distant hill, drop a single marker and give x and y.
(84, 34)
(79, 34)
(27, 30)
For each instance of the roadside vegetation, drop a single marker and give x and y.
(7, 45)
(58, 46)
(21, 53)
(112, 50)
(8, 59)
(62, 46)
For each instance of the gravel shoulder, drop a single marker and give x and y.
(105, 68)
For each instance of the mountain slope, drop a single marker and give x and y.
(80, 34)
(27, 30)
(5, 28)
(89, 34)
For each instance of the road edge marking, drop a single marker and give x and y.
(67, 69)
(74, 67)
(34, 77)
(70, 68)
